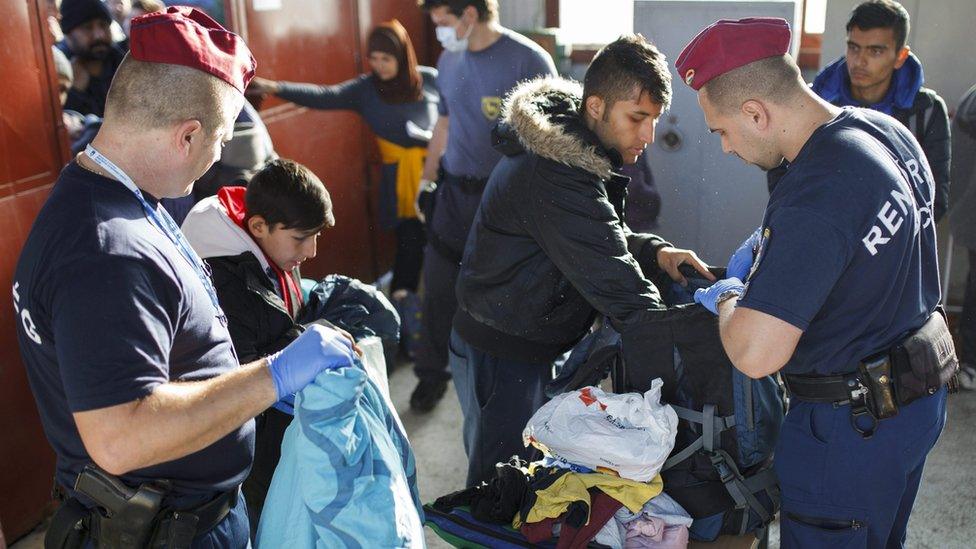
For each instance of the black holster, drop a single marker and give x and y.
(925, 361)
(125, 517)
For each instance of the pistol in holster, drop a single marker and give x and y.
(123, 517)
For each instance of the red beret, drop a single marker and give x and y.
(725, 45)
(186, 36)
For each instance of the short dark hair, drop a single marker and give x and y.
(285, 192)
(882, 14)
(775, 79)
(628, 64)
(487, 9)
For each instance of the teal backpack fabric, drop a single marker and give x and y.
(347, 475)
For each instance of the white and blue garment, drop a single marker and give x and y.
(347, 475)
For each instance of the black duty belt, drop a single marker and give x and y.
(197, 521)
(916, 367)
(73, 524)
(838, 389)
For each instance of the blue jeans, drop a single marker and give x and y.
(498, 397)
(232, 532)
(841, 490)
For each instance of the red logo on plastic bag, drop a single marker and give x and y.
(587, 398)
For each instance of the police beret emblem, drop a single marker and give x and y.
(689, 76)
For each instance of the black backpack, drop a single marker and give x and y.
(721, 468)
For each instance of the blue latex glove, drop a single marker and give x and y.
(318, 348)
(709, 296)
(741, 261)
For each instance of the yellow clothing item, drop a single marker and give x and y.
(410, 167)
(554, 500)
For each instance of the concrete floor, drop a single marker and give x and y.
(944, 516)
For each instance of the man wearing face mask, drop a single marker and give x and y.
(86, 25)
(548, 249)
(481, 63)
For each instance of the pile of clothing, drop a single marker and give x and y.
(598, 484)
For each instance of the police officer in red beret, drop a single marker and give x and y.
(839, 290)
(125, 344)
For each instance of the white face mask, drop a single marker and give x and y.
(447, 36)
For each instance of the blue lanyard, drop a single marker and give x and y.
(162, 219)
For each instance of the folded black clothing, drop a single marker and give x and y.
(496, 501)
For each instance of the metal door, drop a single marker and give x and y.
(710, 201)
(317, 41)
(32, 151)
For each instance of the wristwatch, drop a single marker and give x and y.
(727, 295)
(427, 185)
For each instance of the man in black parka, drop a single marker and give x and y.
(548, 251)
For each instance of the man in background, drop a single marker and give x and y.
(880, 72)
(962, 223)
(94, 57)
(482, 61)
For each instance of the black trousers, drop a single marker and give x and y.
(967, 323)
(269, 430)
(457, 201)
(410, 241)
(437, 310)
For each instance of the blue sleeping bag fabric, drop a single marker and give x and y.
(347, 475)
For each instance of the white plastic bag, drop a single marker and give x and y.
(630, 434)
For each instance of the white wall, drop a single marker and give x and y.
(941, 36)
(522, 14)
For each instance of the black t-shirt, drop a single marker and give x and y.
(108, 309)
(848, 253)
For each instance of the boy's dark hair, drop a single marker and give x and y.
(627, 65)
(882, 14)
(487, 9)
(285, 192)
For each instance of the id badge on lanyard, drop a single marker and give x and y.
(161, 219)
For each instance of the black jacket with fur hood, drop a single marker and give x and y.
(548, 249)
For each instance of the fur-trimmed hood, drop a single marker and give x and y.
(543, 115)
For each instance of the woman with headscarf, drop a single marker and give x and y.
(398, 100)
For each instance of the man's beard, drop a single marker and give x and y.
(98, 51)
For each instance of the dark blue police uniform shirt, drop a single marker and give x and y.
(849, 252)
(108, 309)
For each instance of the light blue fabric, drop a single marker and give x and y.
(347, 475)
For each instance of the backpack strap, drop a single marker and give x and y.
(739, 489)
(742, 490)
(712, 427)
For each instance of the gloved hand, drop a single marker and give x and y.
(318, 348)
(426, 196)
(741, 261)
(709, 296)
